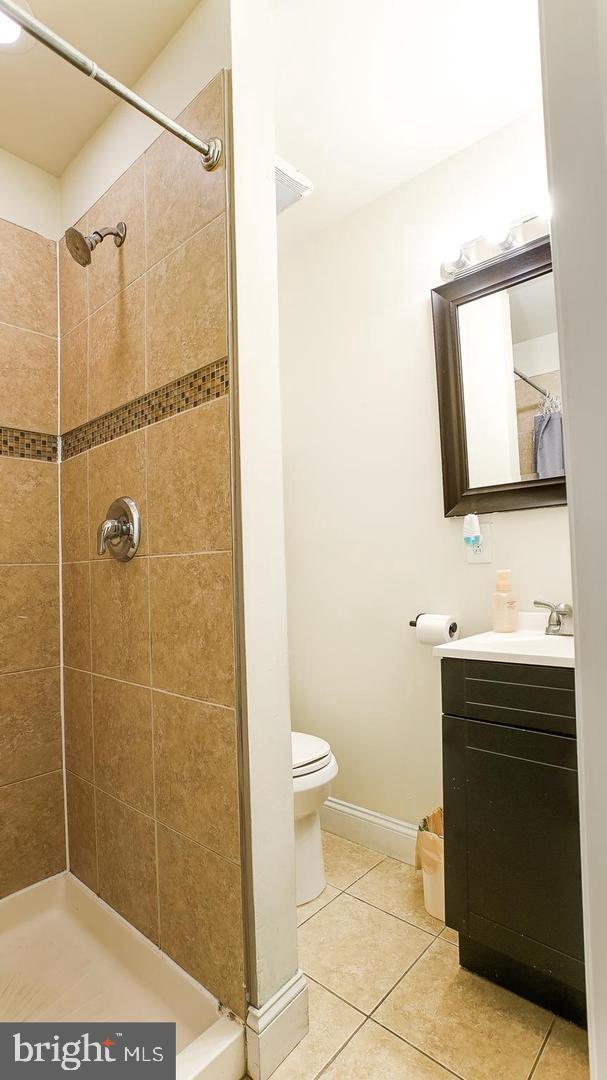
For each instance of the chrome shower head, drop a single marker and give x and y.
(80, 247)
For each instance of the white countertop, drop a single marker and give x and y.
(527, 645)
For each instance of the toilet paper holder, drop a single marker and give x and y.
(413, 623)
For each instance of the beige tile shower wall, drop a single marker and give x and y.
(32, 835)
(151, 728)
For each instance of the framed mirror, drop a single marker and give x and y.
(499, 385)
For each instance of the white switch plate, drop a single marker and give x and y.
(481, 553)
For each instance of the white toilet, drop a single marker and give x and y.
(314, 770)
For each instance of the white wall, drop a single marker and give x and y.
(36, 200)
(489, 395)
(268, 748)
(537, 355)
(29, 196)
(574, 57)
(199, 49)
(367, 544)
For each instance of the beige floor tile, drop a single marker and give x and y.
(305, 911)
(345, 861)
(397, 888)
(332, 1022)
(565, 1056)
(468, 1024)
(450, 935)
(357, 951)
(375, 1053)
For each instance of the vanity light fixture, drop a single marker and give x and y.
(468, 256)
(500, 236)
(496, 241)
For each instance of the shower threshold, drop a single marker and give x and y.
(66, 955)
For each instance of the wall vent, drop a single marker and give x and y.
(291, 185)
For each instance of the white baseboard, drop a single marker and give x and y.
(277, 1027)
(389, 835)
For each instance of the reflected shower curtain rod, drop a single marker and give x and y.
(210, 151)
(535, 385)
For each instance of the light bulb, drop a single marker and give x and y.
(497, 232)
(10, 31)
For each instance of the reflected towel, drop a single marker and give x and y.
(548, 443)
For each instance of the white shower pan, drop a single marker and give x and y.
(66, 955)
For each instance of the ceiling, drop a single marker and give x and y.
(371, 94)
(52, 108)
(533, 308)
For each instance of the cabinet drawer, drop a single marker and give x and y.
(520, 695)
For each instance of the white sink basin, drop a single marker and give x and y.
(524, 646)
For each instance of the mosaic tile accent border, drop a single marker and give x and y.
(34, 445)
(197, 388)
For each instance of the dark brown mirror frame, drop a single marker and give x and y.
(528, 262)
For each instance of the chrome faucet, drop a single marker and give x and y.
(120, 533)
(560, 620)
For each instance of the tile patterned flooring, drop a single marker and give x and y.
(388, 1000)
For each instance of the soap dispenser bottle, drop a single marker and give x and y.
(505, 605)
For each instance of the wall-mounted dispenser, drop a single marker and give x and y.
(472, 530)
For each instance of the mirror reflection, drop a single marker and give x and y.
(512, 384)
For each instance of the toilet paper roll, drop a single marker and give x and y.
(436, 629)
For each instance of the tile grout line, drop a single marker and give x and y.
(28, 779)
(90, 674)
(152, 707)
(313, 913)
(147, 504)
(401, 918)
(402, 977)
(29, 671)
(34, 776)
(337, 1054)
(417, 1049)
(542, 1048)
(143, 273)
(384, 911)
(142, 686)
(28, 329)
(99, 561)
(146, 814)
(372, 1017)
(88, 348)
(11, 565)
(60, 572)
(145, 281)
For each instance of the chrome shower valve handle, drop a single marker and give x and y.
(120, 533)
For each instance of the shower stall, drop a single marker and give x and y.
(121, 816)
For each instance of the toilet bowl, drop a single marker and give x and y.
(314, 770)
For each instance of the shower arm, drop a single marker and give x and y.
(210, 152)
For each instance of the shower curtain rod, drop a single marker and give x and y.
(210, 151)
(535, 385)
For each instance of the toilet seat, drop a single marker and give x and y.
(310, 754)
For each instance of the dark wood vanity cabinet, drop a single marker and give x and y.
(512, 851)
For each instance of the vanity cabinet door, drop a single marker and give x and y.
(512, 851)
